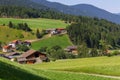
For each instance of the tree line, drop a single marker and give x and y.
(20, 26)
(26, 12)
(95, 33)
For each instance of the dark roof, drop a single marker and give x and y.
(24, 59)
(11, 54)
(28, 53)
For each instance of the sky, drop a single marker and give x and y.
(112, 6)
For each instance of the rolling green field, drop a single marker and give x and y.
(7, 34)
(62, 41)
(98, 65)
(39, 23)
(14, 71)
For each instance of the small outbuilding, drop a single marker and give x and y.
(7, 48)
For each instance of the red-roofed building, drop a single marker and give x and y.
(15, 43)
(7, 48)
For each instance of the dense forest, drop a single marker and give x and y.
(24, 12)
(94, 32)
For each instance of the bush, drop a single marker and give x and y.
(43, 49)
(70, 56)
(109, 55)
(116, 53)
(94, 52)
(53, 59)
(22, 47)
(21, 36)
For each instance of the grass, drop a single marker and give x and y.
(62, 41)
(7, 34)
(35, 23)
(13, 71)
(98, 65)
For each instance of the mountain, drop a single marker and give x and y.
(26, 9)
(81, 9)
(22, 3)
(118, 14)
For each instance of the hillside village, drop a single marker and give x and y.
(30, 56)
(49, 40)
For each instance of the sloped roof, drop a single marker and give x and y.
(15, 41)
(7, 47)
(11, 54)
(28, 53)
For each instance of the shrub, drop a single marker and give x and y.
(116, 53)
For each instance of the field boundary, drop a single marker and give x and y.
(92, 74)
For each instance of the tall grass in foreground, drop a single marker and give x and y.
(14, 71)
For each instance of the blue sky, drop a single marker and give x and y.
(109, 5)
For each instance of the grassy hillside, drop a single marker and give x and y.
(36, 23)
(14, 71)
(98, 65)
(7, 34)
(62, 41)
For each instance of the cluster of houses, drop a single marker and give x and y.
(13, 45)
(29, 57)
(55, 31)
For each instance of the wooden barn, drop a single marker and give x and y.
(31, 57)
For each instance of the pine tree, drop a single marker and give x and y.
(38, 35)
(10, 24)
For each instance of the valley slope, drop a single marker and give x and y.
(16, 71)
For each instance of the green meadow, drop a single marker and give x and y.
(8, 34)
(97, 65)
(34, 23)
(61, 40)
(14, 71)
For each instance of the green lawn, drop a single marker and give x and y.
(98, 65)
(7, 34)
(13, 71)
(36, 22)
(62, 41)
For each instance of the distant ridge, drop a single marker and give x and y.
(81, 9)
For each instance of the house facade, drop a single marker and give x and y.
(31, 57)
(15, 43)
(7, 48)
